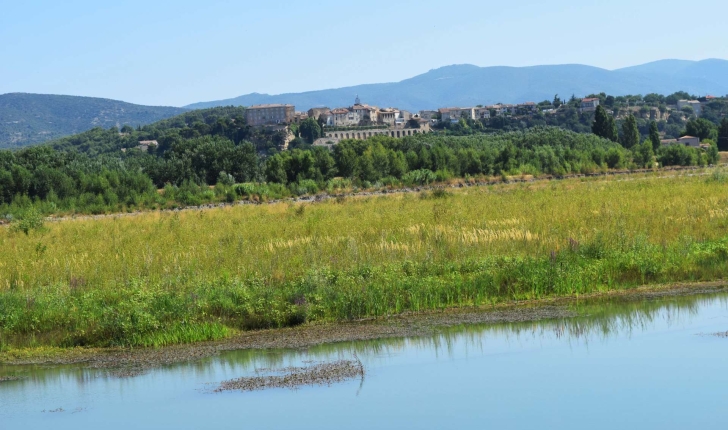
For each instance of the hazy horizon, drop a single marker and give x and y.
(175, 54)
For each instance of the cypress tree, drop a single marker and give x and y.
(613, 131)
(723, 135)
(654, 136)
(600, 127)
(630, 133)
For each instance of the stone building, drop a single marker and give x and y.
(316, 113)
(270, 114)
(454, 114)
(697, 107)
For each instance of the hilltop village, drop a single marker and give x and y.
(362, 121)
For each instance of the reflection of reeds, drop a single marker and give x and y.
(162, 278)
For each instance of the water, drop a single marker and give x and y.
(634, 365)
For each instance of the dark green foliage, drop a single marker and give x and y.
(723, 135)
(654, 136)
(678, 155)
(701, 128)
(630, 132)
(613, 131)
(310, 130)
(602, 127)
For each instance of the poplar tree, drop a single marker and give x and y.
(613, 131)
(630, 133)
(654, 136)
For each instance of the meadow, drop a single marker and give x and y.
(161, 278)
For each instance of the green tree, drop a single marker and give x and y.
(630, 133)
(643, 155)
(654, 136)
(723, 135)
(601, 126)
(613, 131)
(557, 101)
(310, 130)
(701, 128)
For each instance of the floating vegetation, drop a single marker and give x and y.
(295, 377)
(11, 378)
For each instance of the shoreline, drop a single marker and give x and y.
(132, 362)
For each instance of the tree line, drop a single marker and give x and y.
(209, 168)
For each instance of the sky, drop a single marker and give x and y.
(175, 53)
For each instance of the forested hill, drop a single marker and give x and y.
(225, 122)
(26, 119)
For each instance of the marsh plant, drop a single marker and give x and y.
(166, 278)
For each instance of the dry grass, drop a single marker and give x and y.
(283, 241)
(166, 278)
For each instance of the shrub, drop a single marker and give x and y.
(30, 220)
(419, 177)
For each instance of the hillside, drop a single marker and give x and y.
(465, 85)
(26, 119)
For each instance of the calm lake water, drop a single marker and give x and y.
(628, 365)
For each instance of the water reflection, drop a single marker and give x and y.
(641, 359)
(598, 320)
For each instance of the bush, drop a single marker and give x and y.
(614, 158)
(305, 186)
(30, 220)
(419, 177)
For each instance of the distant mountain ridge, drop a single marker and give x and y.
(469, 85)
(26, 119)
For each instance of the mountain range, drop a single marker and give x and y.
(33, 118)
(26, 119)
(468, 85)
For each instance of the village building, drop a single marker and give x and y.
(389, 116)
(697, 107)
(428, 114)
(366, 113)
(454, 114)
(271, 114)
(482, 113)
(589, 104)
(527, 108)
(316, 113)
(499, 109)
(343, 117)
(691, 141)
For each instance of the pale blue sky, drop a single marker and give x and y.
(181, 52)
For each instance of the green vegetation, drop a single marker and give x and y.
(162, 278)
(215, 163)
(26, 119)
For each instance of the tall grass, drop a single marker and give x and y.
(163, 278)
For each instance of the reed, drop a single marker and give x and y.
(163, 278)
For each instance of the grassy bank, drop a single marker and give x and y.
(165, 278)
